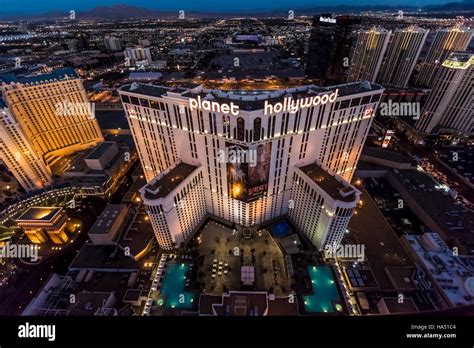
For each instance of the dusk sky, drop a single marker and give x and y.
(41, 6)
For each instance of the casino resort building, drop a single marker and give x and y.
(249, 157)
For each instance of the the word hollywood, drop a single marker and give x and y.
(391, 108)
(346, 251)
(66, 108)
(37, 331)
(22, 251)
(288, 105)
(293, 106)
(237, 156)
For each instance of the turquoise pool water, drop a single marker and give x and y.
(172, 291)
(325, 295)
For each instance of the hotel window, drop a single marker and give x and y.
(375, 98)
(257, 127)
(344, 104)
(144, 102)
(366, 100)
(240, 129)
(125, 99)
(355, 102)
(155, 105)
(134, 101)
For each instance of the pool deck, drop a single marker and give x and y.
(218, 243)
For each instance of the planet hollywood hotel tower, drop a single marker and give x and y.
(297, 152)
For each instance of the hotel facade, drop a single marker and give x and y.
(44, 118)
(451, 102)
(368, 54)
(445, 42)
(401, 57)
(297, 152)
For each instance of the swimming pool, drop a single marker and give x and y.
(172, 291)
(325, 298)
(281, 229)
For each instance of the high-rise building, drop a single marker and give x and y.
(451, 102)
(18, 154)
(138, 55)
(401, 57)
(249, 157)
(368, 54)
(113, 44)
(329, 48)
(144, 42)
(45, 118)
(82, 41)
(445, 41)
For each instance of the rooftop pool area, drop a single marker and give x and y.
(172, 293)
(281, 229)
(325, 298)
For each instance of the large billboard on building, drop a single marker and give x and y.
(248, 170)
(259, 174)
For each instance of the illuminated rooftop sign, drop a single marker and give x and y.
(455, 63)
(213, 106)
(293, 106)
(288, 105)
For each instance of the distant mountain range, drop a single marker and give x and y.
(466, 5)
(132, 12)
